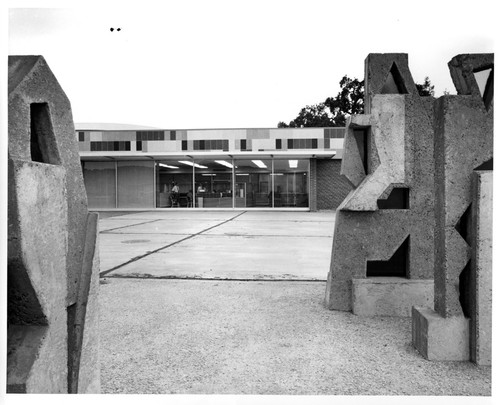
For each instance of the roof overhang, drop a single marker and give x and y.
(289, 154)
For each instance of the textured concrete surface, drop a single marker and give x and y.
(464, 141)
(387, 130)
(377, 69)
(399, 154)
(194, 244)
(88, 374)
(390, 296)
(32, 81)
(37, 246)
(42, 133)
(233, 337)
(438, 338)
(482, 251)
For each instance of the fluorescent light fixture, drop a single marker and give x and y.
(293, 164)
(277, 174)
(167, 166)
(209, 174)
(242, 174)
(259, 163)
(224, 163)
(187, 162)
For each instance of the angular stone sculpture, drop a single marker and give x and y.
(383, 242)
(459, 327)
(53, 265)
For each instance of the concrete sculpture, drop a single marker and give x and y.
(459, 327)
(383, 248)
(52, 242)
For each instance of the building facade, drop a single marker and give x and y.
(276, 168)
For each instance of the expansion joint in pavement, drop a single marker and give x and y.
(134, 259)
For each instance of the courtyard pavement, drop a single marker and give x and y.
(217, 245)
(224, 302)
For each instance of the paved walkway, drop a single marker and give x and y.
(217, 245)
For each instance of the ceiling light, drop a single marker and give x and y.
(187, 162)
(224, 163)
(259, 163)
(167, 166)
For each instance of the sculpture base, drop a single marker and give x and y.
(440, 339)
(390, 296)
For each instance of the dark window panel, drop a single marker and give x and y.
(290, 143)
(308, 143)
(243, 144)
(116, 145)
(127, 145)
(278, 143)
(121, 145)
(138, 136)
(327, 144)
(314, 144)
(81, 136)
(196, 145)
(218, 144)
(172, 135)
(138, 145)
(98, 146)
(92, 146)
(184, 145)
(202, 145)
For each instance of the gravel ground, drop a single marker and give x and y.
(231, 337)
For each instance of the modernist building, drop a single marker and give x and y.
(280, 168)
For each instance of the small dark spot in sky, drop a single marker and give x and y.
(112, 29)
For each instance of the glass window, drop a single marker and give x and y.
(174, 184)
(135, 184)
(214, 183)
(253, 183)
(100, 183)
(291, 182)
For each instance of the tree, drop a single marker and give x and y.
(425, 89)
(334, 110)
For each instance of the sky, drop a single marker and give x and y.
(233, 64)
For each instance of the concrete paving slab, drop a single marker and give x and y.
(114, 223)
(291, 216)
(274, 227)
(171, 226)
(178, 214)
(229, 245)
(238, 257)
(116, 249)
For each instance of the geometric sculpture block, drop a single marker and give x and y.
(463, 143)
(481, 266)
(52, 257)
(385, 226)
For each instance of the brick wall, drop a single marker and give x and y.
(331, 187)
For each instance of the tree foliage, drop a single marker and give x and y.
(334, 110)
(426, 88)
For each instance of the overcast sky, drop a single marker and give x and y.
(223, 64)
